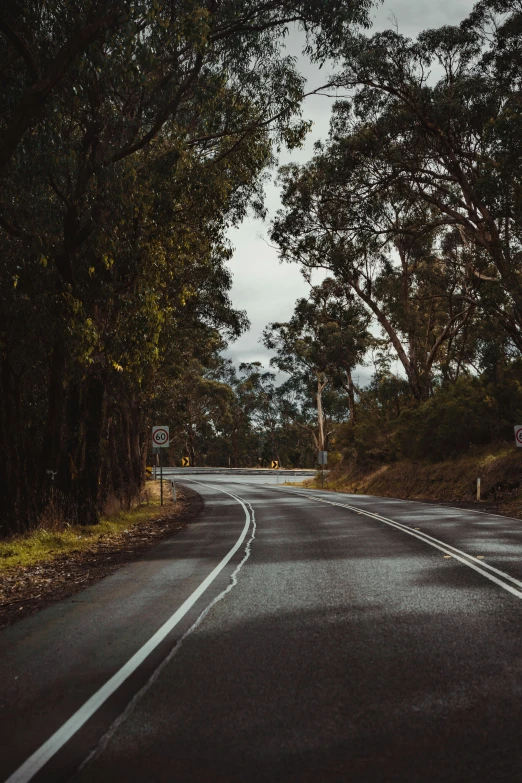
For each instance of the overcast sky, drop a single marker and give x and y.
(262, 286)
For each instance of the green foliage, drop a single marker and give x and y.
(471, 412)
(132, 136)
(318, 348)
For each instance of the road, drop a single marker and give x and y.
(287, 635)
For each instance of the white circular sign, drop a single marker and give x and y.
(518, 435)
(160, 436)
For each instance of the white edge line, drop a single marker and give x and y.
(420, 503)
(430, 540)
(104, 741)
(49, 748)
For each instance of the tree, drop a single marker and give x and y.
(320, 345)
(451, 145)
(382, 248)
(127, 152)
(343, 325)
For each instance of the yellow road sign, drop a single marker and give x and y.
(149, 471)
(274, 464)
(185, 462)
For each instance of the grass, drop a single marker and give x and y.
(453, 480)
(44, 544)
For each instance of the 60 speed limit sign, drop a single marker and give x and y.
(518, 435)
(160, 436)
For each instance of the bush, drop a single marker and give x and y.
(471, 412)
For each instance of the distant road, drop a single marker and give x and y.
(255, 475)
(334, 638)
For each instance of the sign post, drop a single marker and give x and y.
(322, 460)
(160, 440)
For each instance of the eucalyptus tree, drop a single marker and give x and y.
(342, 323)
(318, 348)
(382, 247)
(131, 138)
(440, 118)
(198, 409)
(259, 397)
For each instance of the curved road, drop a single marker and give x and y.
(287, 635)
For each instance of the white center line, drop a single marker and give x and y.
(457, 554)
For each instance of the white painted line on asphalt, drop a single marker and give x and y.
(36, 761)
(457, 554)
(157, 673)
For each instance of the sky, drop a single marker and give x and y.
(262, 286)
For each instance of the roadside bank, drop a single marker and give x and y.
(47, 566)
(452, 481)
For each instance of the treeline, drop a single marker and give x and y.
(132, 135)
(220, 416)
(413, 206)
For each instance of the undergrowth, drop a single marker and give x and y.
(46, 543)
(452, 480)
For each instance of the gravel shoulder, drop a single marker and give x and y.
(25, 590)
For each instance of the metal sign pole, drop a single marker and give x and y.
(160, 441)
(322, 459)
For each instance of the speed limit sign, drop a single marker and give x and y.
(518, 435)
(160, 436)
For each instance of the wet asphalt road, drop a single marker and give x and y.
(345, 649)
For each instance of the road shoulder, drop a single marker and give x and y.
(25, 590)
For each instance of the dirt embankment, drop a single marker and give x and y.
(452, 481)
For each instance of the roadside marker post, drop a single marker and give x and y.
(160, 440)
(52, 474)
(322, 460)
(478, 489)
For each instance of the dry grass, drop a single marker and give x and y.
(55, 536)
(40, 575)
(453, 480)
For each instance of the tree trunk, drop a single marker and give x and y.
(68, 468)
(137, 462)
(349, 388)
(190, 446)
(52, 440)
(125, 455)
(9, 457)
(320, 415)
(88, 489)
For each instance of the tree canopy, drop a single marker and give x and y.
(131, 138)
(134, 135)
